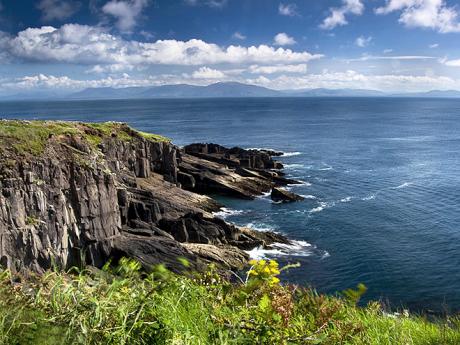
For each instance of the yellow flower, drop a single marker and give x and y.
(253, 262)
(275, 271)
(262, 262)
(274, 281)
(273, 264)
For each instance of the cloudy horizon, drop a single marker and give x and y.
(385, 45)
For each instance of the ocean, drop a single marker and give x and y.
(381, 180)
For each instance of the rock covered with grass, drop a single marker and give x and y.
(77, 194)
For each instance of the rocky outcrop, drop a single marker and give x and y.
(80, 194)
(211, 168)
(282, 195)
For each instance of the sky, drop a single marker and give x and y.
(388, 45)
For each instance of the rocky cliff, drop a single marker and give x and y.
(80, 194)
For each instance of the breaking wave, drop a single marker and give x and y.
(227, 212)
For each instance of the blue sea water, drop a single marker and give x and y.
(382, 182)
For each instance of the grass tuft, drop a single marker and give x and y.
(32, 137)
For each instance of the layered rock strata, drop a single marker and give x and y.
(74, 194)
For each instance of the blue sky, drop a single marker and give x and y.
(389, 45)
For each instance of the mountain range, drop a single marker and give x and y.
(219, 90)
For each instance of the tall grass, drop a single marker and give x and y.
(125, 306)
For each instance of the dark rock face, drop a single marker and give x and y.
(77, 205)
(281, 195)
(236, 172)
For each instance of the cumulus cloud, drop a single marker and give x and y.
(239, 36)
(337, 16)
(355, 80)
(434, 45)
(431, 14)
(332, 80)
(57, 9)
(451, 63)
(126, 12)
(283, 39)
(115, 68)
(256, 69)
(208, 73)
(81, 44)
(363, 41)
(289, 10)
(41, 81)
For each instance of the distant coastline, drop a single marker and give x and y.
(216, 90)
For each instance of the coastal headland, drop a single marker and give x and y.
(77, 194)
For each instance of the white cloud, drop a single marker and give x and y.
(115, 68)
(332, 80)
(80, 44)
(363, 41)
(431, 14)
(57, 9)
(41, 81)
(256, 69)
(289, 10)
(126, 12)
(337, 16)
(208, 73)
(434, 45)
(397, 57)
(283, 39)
(451, 63)
(387, 51)
(239, 36)
(355, 80)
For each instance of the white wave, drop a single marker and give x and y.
(370, 197)
(226, 212)
(404, 185)
(294, 166)
(326, 169)
(322, 206)
(297, 248)
(347, 199)
(259, 227)
(264, 195)
(262, 149)
(325, 255)
(291, 154)
(302, 183)
(308, 196)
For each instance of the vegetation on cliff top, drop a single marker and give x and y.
(124, 306)
(31, 137)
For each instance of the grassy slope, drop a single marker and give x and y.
(31, 137)
(162, 308)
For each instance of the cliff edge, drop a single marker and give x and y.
(74, 194)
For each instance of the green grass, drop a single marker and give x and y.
(125, 306)
(31, 137)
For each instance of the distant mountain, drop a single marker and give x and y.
(336, 93)
(217, 90)
(230, 89)
(431, 94)
(108, 93)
